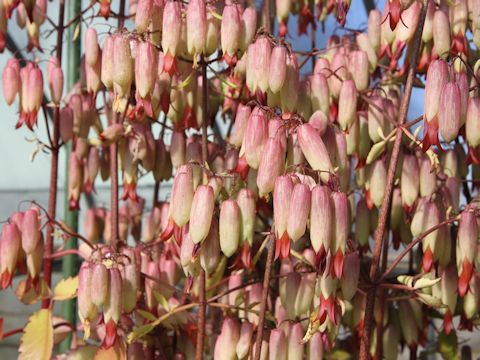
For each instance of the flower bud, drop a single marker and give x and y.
(295, 344)
(441, 33)
(375, 20)
(245, 339)
(405, 30)
(241, 119)
(449, 112)
(429, 243)
(277, 345)
(100, 285)
(263, 50)
(201, 213)
(376, 118)
(300, 203)
(290, 90)
(107, 62)
(246, 202)
(122, 69)
(225, 347)
(10, 247)
(272, 163)
(231, 31)
(321, 219)
(249, 27)
(256, 135)
(11, 81)
(472, 126)
(428, 177)
(31, 234)
(347, 104)
(75, 181)
(92, 50)
(378, 179)
(320, 93)
(410, 180)
(230, 227)
(143, 16)
(196, 27)
(146, 63)
(305, 293)
(342, 230)
(182, 195)
(351, 275)
(278, 68)
(314, 150)
(86, 308)
(172, 28)
(130, 286)
(466, 248)
(112, 308)
(362, 222)
(471, 299)
(358, 66)
(281, 204)
(210, 249)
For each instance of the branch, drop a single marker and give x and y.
(384, 211)
(263, 304)
(413, 243)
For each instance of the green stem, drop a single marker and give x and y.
(70, 262)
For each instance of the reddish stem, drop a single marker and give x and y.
(384, 211)
(263, 304)
(52, 196)
(202, 278)
(62, 253)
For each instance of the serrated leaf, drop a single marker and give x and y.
(430, 300)
(147, 315)
(30, 296)
(37, 339)
(375, 152)
(66, 289)
(425, 283)
(405, 280)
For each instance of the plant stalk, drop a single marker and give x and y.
(52, 196)
(263, 304)
(202, 278)
(384, 211)
(70, 262)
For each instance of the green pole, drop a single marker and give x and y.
(70, 262)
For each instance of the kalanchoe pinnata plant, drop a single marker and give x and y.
(297, 210)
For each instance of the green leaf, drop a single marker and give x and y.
(405, 280)
(430, 300)
(162, 301)
(147, 315)
(375, 152)
(66, 289)
(425, 282)
(37, 339)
